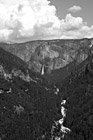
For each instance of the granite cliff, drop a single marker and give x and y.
(53, 106)
(45, 56)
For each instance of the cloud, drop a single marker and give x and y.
(72, 23)
(75, 8)
(74, 28)
(25, 20)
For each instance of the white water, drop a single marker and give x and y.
(63, 130)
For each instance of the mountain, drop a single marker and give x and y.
(28, 107)
(53, 106)
(78, 90)
(46, 56)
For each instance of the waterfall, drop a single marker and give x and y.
(42, 71)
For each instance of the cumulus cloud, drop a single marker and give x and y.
(75, 27)
(75, 8)
(25, 20)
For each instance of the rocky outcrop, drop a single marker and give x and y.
(46, 56)
(34, 110)
(28, 109)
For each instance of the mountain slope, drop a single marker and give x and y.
(27, 109)
(79, 93)
(36, 107)
(46, 56)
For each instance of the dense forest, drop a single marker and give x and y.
(32, 105)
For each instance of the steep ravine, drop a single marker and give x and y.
(54, 106)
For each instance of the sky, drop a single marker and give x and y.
(26, 20)
(86, 13)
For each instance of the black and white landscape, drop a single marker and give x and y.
(46, 70)
(46, 90)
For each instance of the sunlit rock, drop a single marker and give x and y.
(59, 131)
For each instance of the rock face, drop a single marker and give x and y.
(27, 108)
(46, 56)
(33, 109)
